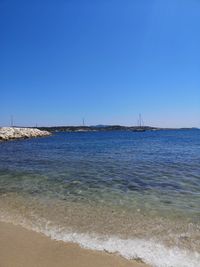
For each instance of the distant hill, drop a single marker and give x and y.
(98, 128)
(107, 128)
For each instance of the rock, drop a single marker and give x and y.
(8, 133)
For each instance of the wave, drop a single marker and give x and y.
(148, 251)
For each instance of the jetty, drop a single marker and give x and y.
(10, 133)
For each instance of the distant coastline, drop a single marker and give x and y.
(106, 128)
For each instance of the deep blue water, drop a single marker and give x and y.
(165, 161)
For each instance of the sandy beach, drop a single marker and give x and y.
(20, 247)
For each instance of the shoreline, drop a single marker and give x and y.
(21, 247)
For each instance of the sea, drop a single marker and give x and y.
(136, 194)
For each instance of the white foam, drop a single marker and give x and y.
(148, 251)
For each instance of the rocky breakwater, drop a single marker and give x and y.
(10, 133)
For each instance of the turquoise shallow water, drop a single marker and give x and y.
(137, 194)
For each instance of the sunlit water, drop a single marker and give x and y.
(136, 194)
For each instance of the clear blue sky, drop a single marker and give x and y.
(106, 61)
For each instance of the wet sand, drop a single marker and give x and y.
(23, 248)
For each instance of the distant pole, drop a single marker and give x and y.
(83, 122)
(140, 120)
(11, 121)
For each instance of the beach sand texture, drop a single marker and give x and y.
(23, 248)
